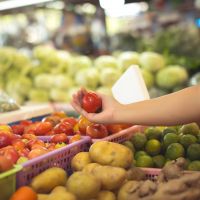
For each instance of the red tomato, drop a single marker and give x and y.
(75, 138)
(29, 136)
(70, 120)
(63, 127)
(58, 138)
(114, 128)
(43, 128)
(10, 153)
(5, 164)
(91, 102)
(30, 129)
(18, 144)
(18, 129)
(96, 131)
(25, 122)
(83, 123)
(5, 140)
(51, 146)
(35, 143)
(23, 152)
(37, 152)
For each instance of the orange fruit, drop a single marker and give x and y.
(24, 193)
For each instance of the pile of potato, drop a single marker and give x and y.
(106, 173)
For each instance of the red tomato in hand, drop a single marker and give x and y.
(96, 131)
(63, 127)
(59, 138)
(91, 102)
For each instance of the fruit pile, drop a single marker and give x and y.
(158, 145)
(105, 173)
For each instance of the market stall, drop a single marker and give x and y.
(141, 50)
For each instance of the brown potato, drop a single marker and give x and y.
(62, 196)
(83, 185)
(42, 196)
(49, 179)
(113, 154)
(106, 195)
(80, 160)
(59, 189)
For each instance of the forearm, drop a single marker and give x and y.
(176, 108)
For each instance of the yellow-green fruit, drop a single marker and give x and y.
(174, 151)
(106, 195)
(144, 161)
(80, 160)
(110, 153)
(49, 179)
(191, 128)
(153, 147)
(62, 196)
(139, 140)
(83, 185)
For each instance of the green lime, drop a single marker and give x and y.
(198, 138)
(170, 138)
(153, 147)
(159, 161)
(193, 152)
(169, 130)
(153, 133)
(194, 166)
(139, 140)
(192, 129)
(187, 140)
(140, 153)
(174, 151)
(129, 144)
(144, 161)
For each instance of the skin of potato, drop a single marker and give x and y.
(48, 180)
(113, 154)
(80, 160)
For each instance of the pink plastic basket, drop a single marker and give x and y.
(121, 136)
(59, 158)
(151, 173)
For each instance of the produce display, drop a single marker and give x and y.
(159, 145)
(102, 177)
(54, 75)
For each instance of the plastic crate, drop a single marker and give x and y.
(8, 182)
(121, 136)
(59, 158)
(151, 173)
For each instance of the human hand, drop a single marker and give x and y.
(110, 108)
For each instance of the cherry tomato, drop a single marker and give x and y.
(59, 138)
(63, 127)
(96, 131)
(91, 102)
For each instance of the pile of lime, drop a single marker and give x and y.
(157, 146)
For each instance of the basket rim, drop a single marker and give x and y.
(12, 171)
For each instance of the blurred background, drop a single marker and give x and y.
(50, 48)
